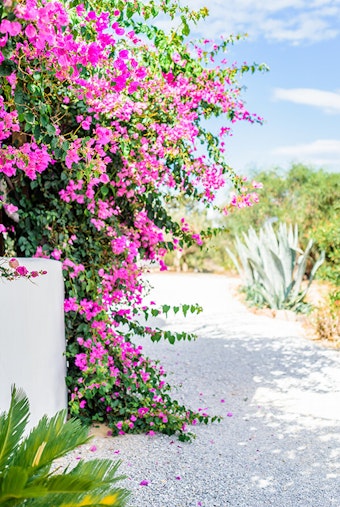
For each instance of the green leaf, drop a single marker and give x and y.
(29, 117)
(165, 309)
(7, 67)
(185, 309)
(12, 425)
(50, 129)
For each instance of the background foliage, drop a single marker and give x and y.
(302, 195)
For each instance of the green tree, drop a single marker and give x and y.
(303, 196)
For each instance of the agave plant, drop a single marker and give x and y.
(273, 266)
(26, 474)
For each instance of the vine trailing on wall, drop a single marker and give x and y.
(101, 120)
(12, 270)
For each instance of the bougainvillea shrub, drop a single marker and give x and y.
(103, 121)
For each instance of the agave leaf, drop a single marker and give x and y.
(301, 270)
(268, 296)
(268, 237)
(263, 285)
(277, 277)
(293, 236)
(12, 425)
(316, 266)
(273, 265)
(235, 261)
(243, 254)
(287, 252)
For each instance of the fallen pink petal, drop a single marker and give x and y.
(229, 414)
(144, 483)
(93, 448)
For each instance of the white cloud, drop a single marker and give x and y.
(329, 147)
(321, 153)
(328, 101)
(294, 21)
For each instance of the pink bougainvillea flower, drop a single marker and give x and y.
(144, 483)
(229, 414)
(15, 28)
(22, 271)
(142, 411)
(10, 208)
(13, 263)
(30, 31)
(93, 448)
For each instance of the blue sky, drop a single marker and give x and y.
(299, 97)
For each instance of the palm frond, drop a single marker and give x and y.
(101, 470)
(12, 425)
(116, 498)
(14, 488)
(25, 476)
(49, 440)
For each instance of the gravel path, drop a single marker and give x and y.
(279, 442)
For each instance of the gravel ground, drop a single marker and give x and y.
(279, 442)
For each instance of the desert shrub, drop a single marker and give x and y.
(273, 267)
(326, 318)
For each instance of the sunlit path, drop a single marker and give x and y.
(279, 442)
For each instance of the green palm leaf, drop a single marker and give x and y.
(25, 477)
(12, 425)
(103, 470)
(50, 439)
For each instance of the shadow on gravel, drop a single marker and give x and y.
(281, 445)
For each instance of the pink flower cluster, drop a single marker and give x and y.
(14, 271)
(137, 135)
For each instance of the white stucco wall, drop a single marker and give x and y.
(32, 339)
